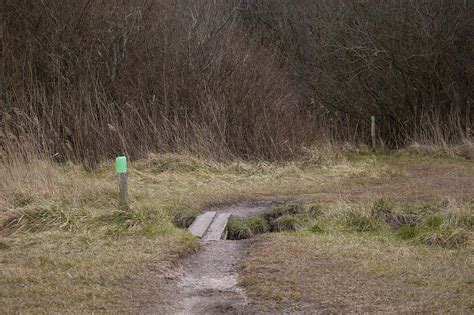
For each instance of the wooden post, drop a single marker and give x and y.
(123, 190)
(372, 131)
(121, 168)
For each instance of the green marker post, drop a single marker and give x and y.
(121, 169)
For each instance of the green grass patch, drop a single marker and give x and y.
(360, 222)
(257, 224)
(238, 229)
(287, 223)
(407, 232)
(183, 217)
(290, 209)
(434, 221)
(317, 227)
(315, 210)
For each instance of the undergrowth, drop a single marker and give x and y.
(64, 240)
(446, 224)
(436, 223)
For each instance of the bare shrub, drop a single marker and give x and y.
(87, 80)
(139, 76)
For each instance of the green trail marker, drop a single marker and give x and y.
(121, 169)
(121, 164)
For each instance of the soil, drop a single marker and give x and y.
(207, 282)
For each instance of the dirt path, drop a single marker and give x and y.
(207, 282)
(210, 279)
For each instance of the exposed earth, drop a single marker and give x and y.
(207, 282)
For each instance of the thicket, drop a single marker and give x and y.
(88, 79)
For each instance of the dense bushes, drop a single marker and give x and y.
(86, 80)
(405, 61)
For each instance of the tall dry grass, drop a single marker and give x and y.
(144, 76)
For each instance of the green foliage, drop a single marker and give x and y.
(317, 227)
(279, 211)
(315, 210)
(360, 222)
(238, 230)
(434, 221)
(381, 208)
(405, 215)
(287, 223)
(407, 232)
(257, 225)
(183, 217)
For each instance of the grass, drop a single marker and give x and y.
(347, 272)
(65, 218)
(352, 258)
(65, 246)
(238, 230)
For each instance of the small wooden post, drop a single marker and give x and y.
(121, 168)
(372, 130)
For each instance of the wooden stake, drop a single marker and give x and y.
(123, 190)
(121, 169)
(372, 131)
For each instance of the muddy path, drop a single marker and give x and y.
(210, 281)
(207, 281)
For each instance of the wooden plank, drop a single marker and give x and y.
(123, 190)
(216, 230)
(201, 224)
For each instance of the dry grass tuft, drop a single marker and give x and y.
(465, 149)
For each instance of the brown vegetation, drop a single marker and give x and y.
(340, 273)
(65, 246)
(86, 80)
